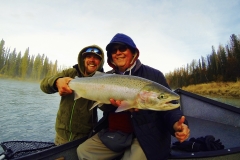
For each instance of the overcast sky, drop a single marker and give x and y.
(168, 33)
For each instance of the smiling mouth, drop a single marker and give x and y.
(120, 58)
(92, 65)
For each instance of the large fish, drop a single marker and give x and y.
(134, 92)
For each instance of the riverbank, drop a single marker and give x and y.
(223, 89)
(19, 79)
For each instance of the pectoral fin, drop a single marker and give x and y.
(95, 104)
(124, 106)
(76, 95)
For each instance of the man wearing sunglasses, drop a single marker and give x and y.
(74, 120)
(152, 130)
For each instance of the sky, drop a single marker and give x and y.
(168, 33)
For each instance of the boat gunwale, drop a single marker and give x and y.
(208, 100)
(206, 154)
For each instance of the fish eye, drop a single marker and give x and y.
(161, 96)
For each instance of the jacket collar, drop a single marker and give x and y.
(130, 70)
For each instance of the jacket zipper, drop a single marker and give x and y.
(70, 122)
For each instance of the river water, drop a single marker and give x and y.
(26, 113)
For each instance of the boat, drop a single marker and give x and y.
(205, 117)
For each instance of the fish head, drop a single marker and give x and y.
(157, 97)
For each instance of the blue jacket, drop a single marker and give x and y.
(153, 129)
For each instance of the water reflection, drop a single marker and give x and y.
(227, 100)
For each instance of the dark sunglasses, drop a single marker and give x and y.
(121, 48)
(94, 50)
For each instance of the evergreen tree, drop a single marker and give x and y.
(235, 45)
(231, 69)
(46, 67)
(36, 67)
(40, 74)
(12, 64)
(30, 66)
(222, 62)
(18, 65)
(2, 54)
(4, 70)
(24, 64)
(54, 70)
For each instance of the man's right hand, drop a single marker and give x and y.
(62, 85)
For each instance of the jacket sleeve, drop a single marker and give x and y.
(171, 116)
(48, 84)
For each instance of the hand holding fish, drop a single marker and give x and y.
(117, 103)
(182, 131)
(62, 85)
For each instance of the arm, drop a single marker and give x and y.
(48, 84)
(178, 124)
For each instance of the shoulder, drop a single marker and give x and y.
(151, 72)
(70, 72)
(152, 69)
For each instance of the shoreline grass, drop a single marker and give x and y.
(223, 89)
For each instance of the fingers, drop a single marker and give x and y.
(133, 110)
(179, 123)
(116, 103)
(62, 85)
(182, 131)
(181, 120)
(184, 134)
(64, 91)
(112, 101)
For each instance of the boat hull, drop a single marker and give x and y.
(205, 117)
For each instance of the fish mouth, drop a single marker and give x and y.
(168, 99)
(170, 106)
(174, 101)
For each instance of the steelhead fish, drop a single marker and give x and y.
(134, 92)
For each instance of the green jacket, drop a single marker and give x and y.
(74, 119)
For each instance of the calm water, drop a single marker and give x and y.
(29, 114)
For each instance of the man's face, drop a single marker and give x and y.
(121, 56)
(91, 63)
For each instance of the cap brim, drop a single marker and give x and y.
(85, 53)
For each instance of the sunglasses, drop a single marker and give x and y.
(94, 50)
(121, 48)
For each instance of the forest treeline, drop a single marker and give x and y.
(25, 66)
(222, 65)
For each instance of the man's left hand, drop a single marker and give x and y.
(182, 132)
